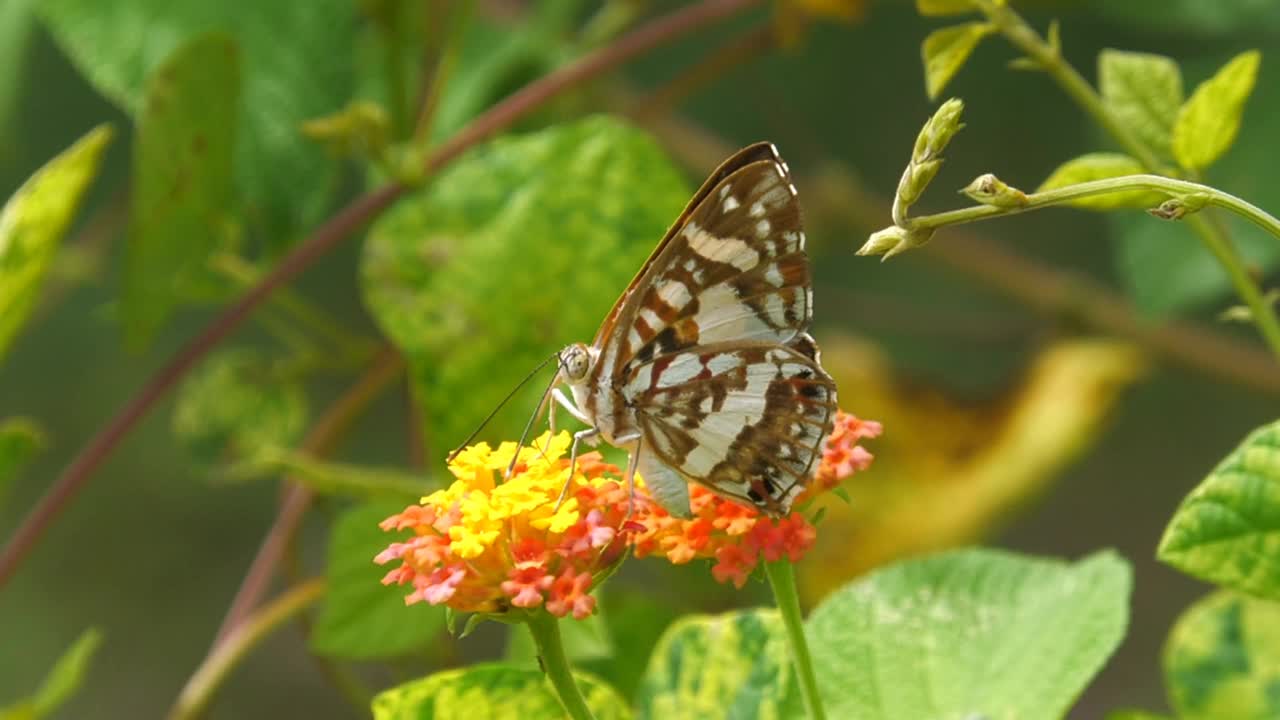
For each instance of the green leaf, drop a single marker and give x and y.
(64, 678)
(33, 222)
(182, 190)
(493, 691)
(1208, 122)
(1135, 715)
(1222, 659)
(734, 665)
(990, 634)
(295, 63)
(1099, 166)
(1165, 266)
(1143, 92)
(16, 24)
(938, 8)
(519, 248)
(19, 440)
(236, 406)
(363, 619)
(1227, 531)
(945, 51)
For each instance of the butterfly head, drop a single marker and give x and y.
(575, 363)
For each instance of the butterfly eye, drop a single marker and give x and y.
(575, 363)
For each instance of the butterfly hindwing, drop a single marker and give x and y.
(745, 419)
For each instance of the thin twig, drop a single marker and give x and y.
(204, 683)
(354, 216)
(322, 439)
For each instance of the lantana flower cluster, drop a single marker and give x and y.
(737, 537)
(487, 545)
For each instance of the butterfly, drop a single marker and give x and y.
(704, 370)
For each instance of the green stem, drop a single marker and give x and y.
(206, 680)
(1263, 314)
(1025, 38)
(546, 635)
(782, 578)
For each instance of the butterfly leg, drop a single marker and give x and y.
(631, 480)
(588, 434)
(563, 401)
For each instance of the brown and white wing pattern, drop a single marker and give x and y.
(732, 268)
(706, 357)
(745, 419)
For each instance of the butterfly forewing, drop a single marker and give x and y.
(733, 268)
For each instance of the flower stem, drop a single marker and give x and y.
(1263, 315)
(206, 680)
(782, 578)
(546, 635)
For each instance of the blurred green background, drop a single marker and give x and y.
(153, 550)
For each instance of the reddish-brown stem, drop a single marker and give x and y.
(324, 239)
(322, 439)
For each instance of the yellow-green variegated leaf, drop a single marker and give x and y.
(494, 692)
(945, 51)
(1222, 659)
(1227, 531)
(33, 222)
(519, 247)
(1100, 166)
(990, 634)
(708, 667)
(1208, 122)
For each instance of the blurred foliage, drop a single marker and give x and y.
(20, 439)
(1223, 659)
(64, 678)
(1227, 531)
(990, 634)
(182, 188)
(361, 618)
(236, 407)
(33, 222)
(500, 692)
(288, 76)
(983, 459)
(514, 251)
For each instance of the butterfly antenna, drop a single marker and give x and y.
(537, 412)
(500, 405)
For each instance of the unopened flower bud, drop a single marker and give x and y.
(1179, 207)
(991, 190)
(893, 240)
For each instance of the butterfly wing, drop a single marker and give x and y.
(733, 267)
(745, 419)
